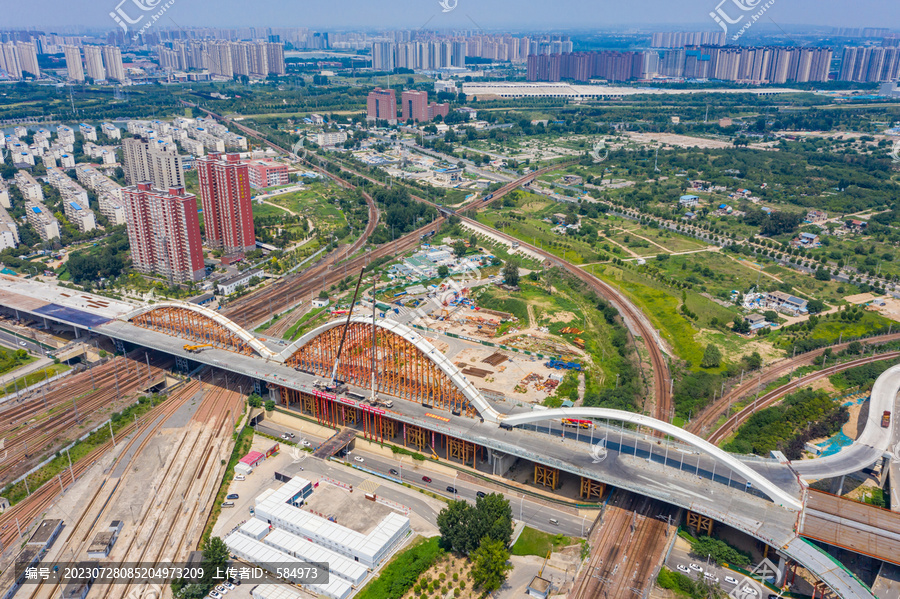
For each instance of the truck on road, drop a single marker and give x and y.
(885, 419)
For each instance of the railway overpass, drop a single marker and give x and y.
(436, 407)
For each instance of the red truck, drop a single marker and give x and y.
(885, 419)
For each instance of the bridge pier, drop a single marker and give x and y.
(592, 489)
(500, 462)
(700, 523)
(546, 476)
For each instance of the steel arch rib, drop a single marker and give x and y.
(469, 391)
(238, 330)
(775, 493)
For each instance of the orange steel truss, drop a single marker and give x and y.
(401, 369)
(187, 324)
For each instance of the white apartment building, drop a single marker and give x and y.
(111, 131)
(88, 131)
(9, 230)
(29, 187)
(44, 223)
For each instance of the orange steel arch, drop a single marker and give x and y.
(402, 370)
(189, 324)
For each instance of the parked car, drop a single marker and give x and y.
(731, 580)
(426, 479)
(696, 568)
(306, 443)
(240, 477)
(749, 591)
(232, 496)
(359, 459)
(221, 589)
(285, 437)
(712, 577)
(480, 493)
(683, 568)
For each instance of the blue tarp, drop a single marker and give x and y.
(79, 317)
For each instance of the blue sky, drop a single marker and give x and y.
(412, 14)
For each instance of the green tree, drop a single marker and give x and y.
(511, 272)
(215, 558)
(443, 271)
(473, 241)
(255, 401)
(490, 564)
(463, 525)
(712, 357)
(823, 275)
(459, 249)
(270, 405)
(323, 295)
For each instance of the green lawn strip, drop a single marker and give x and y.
(535, 542)
(33, 378)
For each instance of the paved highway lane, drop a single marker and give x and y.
(534, 514)
(14, 342)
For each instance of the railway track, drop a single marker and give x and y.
(776, 395)
(67, 407)
(628, 544)
(29, 508)
(83, 528)
(707, 418)
(164, 534)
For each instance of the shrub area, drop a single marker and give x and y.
(402, 572)
(803, 415)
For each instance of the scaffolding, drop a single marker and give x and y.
(401, 369)
(187, 324)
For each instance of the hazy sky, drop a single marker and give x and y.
(488, 14)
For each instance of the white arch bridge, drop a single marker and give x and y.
(409, 367)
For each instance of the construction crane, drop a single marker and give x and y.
(541, 571)
(347, 325)
(194, 349)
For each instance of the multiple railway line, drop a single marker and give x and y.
(776, 395)
(706, 419)
(42, 424)
(628, 545)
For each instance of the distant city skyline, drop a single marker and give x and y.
(464, 14)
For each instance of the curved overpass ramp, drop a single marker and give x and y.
(873, 444)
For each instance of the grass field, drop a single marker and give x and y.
(535, 542)
(661, 305)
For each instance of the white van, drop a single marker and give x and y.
(240, 477)
(227, 504)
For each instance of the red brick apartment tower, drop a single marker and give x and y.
(415, 105)
(381, 104)
(164, 232)
(227, 209)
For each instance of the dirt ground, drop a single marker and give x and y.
(507, 376)
(890, 309)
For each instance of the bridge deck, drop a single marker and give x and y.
(859, 527)
(335, 443)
